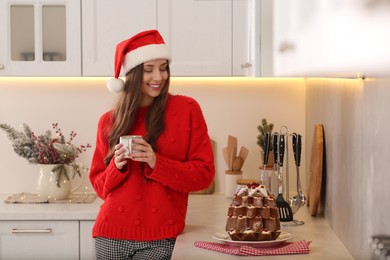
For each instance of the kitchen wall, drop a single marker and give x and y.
(356, 122)
(231, 106)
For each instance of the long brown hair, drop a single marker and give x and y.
(127, 106)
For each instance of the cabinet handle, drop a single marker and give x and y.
(286, 46)
(17, 230)
(246, 65)
(2, 67)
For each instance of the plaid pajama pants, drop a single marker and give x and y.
(110, 249)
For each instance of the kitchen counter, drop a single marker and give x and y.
(49, 211)
(207, 215)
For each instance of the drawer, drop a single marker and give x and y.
(39, 240)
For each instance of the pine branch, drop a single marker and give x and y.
(264, 128)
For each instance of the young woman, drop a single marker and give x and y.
(145, 196)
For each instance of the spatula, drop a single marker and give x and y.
(232, 150)
(285, 212)
(226, 156)
(243, 153)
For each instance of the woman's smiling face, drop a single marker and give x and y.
(155, 76)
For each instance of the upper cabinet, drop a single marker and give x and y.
(206, 37)
(40, 38)
(202, 36)
(331, 38)
(79, 37)
(105, 24)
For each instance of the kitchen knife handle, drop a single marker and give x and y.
(281, 150)
(267, 142)
(297, 148)
(275, 148)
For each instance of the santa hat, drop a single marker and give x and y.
(142, 47)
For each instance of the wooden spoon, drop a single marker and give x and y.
(237, 163)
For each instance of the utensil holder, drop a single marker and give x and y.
(269, 179)
(231, 178)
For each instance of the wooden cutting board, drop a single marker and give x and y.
(316, 167)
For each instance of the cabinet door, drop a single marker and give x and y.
(292, 20)
(355, 38)
(87, 243)
(199, 34)
(39, 240)
(245, 36)
(105, 24)
(338, 38)
(40, 38)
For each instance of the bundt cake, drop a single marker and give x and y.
(253, 215)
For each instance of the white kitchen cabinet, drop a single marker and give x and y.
(105, 24)
(246, 35)
(200, 36)
(39, 240)
(40, 38)
(47, 230)
(208, 38)
(331, 38)
(243, 61)
(291, 22)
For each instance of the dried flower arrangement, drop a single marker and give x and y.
(47, 149)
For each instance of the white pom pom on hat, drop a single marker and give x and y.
(115, 85)
(144, 46)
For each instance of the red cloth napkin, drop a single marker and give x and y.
(286, 248)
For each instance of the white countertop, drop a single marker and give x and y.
(207, 215)
(48, 211)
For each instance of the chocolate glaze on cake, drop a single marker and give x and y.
(253, 215)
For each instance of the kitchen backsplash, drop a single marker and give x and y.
(231, 106)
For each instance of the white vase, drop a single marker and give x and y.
(47, 186)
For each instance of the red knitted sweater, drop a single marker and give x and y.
(150, 204)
